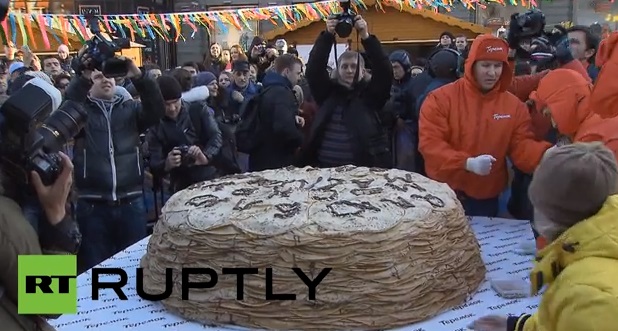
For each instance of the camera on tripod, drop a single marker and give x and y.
(102, 52)
(31, 137)
(345, 24)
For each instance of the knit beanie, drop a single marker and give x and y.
(446, 33)
(204, 78)
(492, 49)
(170, 88)
(572, 182)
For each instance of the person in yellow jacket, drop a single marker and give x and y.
(574, 193)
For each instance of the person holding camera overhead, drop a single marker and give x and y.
(346, 129)
(175, 146)
(108, 165)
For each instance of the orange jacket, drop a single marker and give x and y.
(604, 97)
(567, 97)
(522, 86)
(457, 121)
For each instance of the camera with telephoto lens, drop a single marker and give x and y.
(33, 132)
(102, 52)
(186, 159)
(528, 25)
(345, 24)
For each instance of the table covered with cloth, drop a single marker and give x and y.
(498, 238)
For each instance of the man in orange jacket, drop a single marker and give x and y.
(469, 127)
(564, 96)
(604, 98)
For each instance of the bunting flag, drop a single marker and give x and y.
(173, 27)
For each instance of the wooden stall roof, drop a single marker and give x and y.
(280, 31)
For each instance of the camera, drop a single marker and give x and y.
(103, 52)
(234, 119)
(345, 24)
(186, 159)
(530, 24)
(31, 137)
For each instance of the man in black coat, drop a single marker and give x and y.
(347, 128)
(280, 135)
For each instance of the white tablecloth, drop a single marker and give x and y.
(498, 238)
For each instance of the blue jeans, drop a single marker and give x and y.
(405, 147)
(108, 229)
(481, 207)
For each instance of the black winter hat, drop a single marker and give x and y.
(170, 88)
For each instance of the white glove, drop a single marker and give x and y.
(480, 165)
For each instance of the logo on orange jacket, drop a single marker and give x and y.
(501, 116)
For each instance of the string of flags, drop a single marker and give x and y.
(172, 27)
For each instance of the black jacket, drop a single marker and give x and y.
(106, 155)
(362, 105)
(279, 138)
(170, 133)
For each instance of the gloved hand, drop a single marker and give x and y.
(563, 51)
(480, 165)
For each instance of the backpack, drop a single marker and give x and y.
(225, 161)
(248, 131)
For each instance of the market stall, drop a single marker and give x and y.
(498, 239)
(422, 26)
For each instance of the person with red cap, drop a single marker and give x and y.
(468, 128)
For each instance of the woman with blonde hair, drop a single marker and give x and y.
(235, 52)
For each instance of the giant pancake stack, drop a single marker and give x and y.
(399, 244)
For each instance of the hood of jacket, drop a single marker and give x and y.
(594, 237)
(566, 94)
(489, 47)
(274, 79)
(198, 93)
(123, 93)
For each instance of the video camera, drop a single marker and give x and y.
(102, 52)
(530, 27)
(345, 24)
(31, 137)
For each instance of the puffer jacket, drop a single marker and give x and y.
(580, 269)
(107, 160)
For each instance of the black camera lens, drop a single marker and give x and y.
(62, 125)
(345, 26)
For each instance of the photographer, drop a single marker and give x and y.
(109, 176)
(261, 55)
(18, 237)
(346, 129)
(174, 145)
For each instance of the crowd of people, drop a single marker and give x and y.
(471, 115)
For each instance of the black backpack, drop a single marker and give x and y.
(225, 161)
(248, 131)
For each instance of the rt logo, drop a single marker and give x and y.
(47, 284)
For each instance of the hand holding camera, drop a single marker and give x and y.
(53, 198)
(361, 27)
(173, 160)
(331, 23)
(198, 156)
